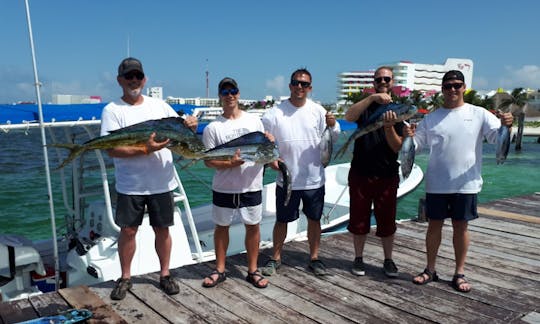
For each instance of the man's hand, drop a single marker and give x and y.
(382, 98)
(191, 122)
(330, 119)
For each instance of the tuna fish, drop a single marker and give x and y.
(287, 185)
(326, 147)
(503, 144)
(375, 121)
(407, 156)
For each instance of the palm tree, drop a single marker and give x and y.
(517, 99)
(435, 101)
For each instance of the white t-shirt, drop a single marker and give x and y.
(297, 132)
(145, 174)
(454, 138)
(247, 177)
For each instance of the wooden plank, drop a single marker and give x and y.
(237, 297)
(412, 258)
(48, 304)
(82, 297)
(130, 308)
(510, 215)
(430, 304)
(16, 311)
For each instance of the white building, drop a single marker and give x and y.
(61, 99)
(413, 76)
(206, 102)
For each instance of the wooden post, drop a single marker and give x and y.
(521, 123)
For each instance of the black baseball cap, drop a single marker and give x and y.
(129, 64)
(225, 81)
(453, 75)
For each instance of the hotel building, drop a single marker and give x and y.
(409, 75)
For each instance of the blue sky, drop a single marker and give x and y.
(79, 44)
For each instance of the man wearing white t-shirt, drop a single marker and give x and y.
(454, 134)
(297, 125)
(236, 186)
(144, 175)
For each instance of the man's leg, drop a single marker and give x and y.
(163, 244)
(433, 241)
(359, 241)
(221, 243)
(314, 238)
(253, 237)
(126, 249)
(279, 234)
(461, 246)
(388, 246)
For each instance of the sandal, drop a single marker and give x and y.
(458, 280)
(431, 276)
(220, 278)
(255, 279)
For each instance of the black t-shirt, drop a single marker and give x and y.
(372, 155)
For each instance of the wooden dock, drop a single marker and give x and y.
(503, 266)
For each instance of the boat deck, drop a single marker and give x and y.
(503, 266)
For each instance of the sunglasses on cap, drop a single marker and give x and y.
(304, 84)
(226, 92)
(386, 79)
(449, 86)
(136, 74)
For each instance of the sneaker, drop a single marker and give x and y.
(358, 267)
(389, 268)
(270, 267)
(122, 286)
(169, 285)
(317, 267)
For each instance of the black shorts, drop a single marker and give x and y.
(455, 206)
(312, 201)
(130, 209)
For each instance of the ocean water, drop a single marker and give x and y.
(24, 207)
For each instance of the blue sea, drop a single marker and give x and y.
(24, 206)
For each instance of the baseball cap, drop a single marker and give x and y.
(129, 64)
(225, 81)
(453, 75)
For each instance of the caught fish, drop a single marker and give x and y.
(503, 144)
(406, 158)
(184, 141)
(326, 147)
(375, 121)
(254, 146)
(287, 185)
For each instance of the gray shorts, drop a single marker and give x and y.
(455, 206)
(130, 209)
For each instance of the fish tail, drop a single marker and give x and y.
(74, 151)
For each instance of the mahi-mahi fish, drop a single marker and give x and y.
(375, 121)
(503, 144)
(184, 141)
(326, 147)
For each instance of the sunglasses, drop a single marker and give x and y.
(386, 79)
(226, 92)
(130, 75)
(449, 86)
(304, 84)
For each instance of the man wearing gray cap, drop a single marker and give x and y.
(454, 135)
(144, 175)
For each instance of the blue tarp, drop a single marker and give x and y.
(23, 113)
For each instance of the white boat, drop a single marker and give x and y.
(88, 252)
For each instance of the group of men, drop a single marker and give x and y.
(145, 175)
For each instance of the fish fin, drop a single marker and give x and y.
(74, 151)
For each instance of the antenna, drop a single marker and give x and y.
(207, 87)
(128, 49)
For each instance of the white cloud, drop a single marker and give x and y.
(526, 76)
(277, 86)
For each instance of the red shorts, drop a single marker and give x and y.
(381, 192)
